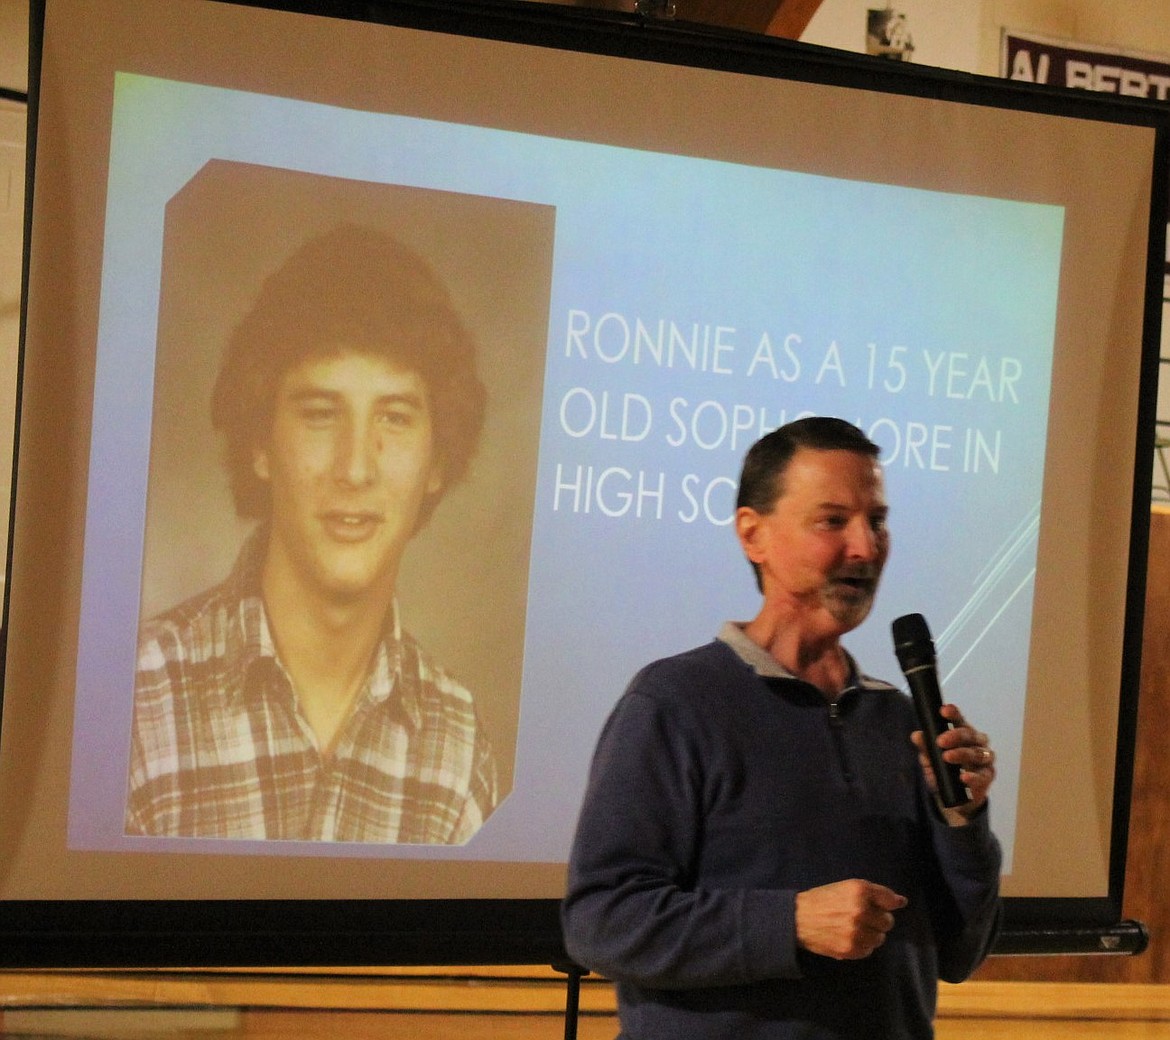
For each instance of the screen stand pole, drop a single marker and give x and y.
(573, 975)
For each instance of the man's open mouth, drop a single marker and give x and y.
(351, 526)
(856, 583)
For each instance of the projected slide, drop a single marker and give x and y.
(640, 318)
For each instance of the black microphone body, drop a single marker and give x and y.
(915, 649)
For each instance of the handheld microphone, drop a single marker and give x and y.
(915, 650)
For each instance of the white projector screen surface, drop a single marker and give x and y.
(658, 263)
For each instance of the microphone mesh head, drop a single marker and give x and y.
(912, 643)
(910, 628)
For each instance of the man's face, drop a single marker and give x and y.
(822, 548)
(349, 463)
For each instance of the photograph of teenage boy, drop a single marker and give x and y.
(287, 702)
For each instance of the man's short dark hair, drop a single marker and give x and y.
(360, 289)
(761, 481)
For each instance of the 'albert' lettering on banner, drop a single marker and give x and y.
(1035, 59)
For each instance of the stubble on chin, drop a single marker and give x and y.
(848, 607)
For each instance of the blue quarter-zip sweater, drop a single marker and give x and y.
(720, 788)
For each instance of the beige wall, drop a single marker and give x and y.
(965, 34)
(13, 76)
(945, 32)
(1135, 25)
(14, 44)
(12, 141)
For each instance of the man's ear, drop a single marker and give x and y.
(260, 464)
(748, 527)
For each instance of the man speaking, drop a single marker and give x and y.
(761, 852)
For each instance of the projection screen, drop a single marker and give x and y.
(658, 242)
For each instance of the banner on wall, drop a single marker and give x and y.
(1064, 63)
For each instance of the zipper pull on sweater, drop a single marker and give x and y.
(835, 725)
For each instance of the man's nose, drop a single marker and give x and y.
(356, 457)
(864, 542)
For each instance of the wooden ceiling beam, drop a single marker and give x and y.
(791, 17)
